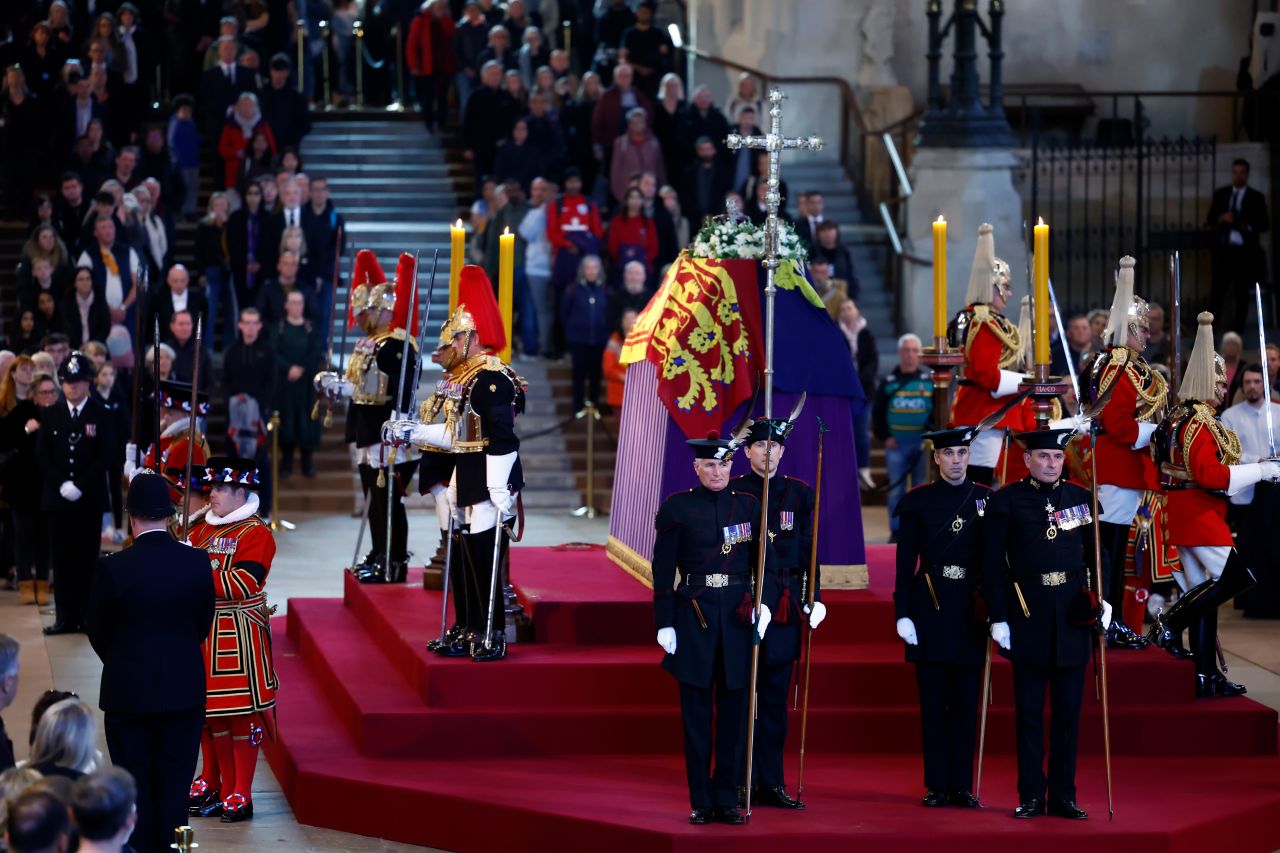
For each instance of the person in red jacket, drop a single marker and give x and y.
(1138, 396)
(1199, 459)
(429, 55)
(992, 348)
(233, 146)
(632, 235)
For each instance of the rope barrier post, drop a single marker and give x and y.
(357, 32)
(184, 839)
(325, 35)
(300, 35)
(591, 414)
(273, 427)
(398, 105)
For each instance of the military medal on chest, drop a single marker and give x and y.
(1052, 533)
(734, 534)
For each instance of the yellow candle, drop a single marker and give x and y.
(940, 278)
(457, 257)
(506, 270)
(1040, 277)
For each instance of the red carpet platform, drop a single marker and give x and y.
(573, 742)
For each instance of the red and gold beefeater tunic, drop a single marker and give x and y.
(1195, 451)
(238, 666)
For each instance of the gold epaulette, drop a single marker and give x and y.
(1005, 331)
(1198, 416)
(1150, 385)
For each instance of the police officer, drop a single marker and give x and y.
(75, 440)
(938, 574)
(791, 535)
(705, 624)
(1037, 550)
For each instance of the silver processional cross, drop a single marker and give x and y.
(773, 142)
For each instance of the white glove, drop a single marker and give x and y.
(1145, 431)
(1270, 470)
(907, 631)
(497, 474)
(765, 617)
(399, 432)
(130, 464)
(1106, 614)
(816, 614)
(332, 385)
(1009, 382)
(667, 639)
(1250, 473)
(1000, 633)
(1079, 422)
(69, 491)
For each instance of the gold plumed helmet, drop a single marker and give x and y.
(988, 271)
(369, 287)
(460, 322)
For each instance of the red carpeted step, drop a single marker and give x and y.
(638, 803)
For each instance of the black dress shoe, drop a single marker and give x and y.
(934, 799)
(451, 636)
(212, 808)
(699, 817)
(239, 815)
(1067, 809)
(1029, 809)
(481, 654)
(1172, 643)
(1121, 636)
(727, 814)
(776, 796)
(1215, 684)
(61, 628)
(459, 648)
(963, 799)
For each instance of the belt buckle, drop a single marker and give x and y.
(953, 573)
(716, 581)
(1053, 578)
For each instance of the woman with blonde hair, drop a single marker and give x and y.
(293, 239)
(20, 480)
(65, 741)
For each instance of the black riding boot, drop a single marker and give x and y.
(1202, 598)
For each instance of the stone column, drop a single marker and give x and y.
(968, 186)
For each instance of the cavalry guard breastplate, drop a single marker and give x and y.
(1172, 442)
(371, 384)
(966, 324)
(1104, 368)
(451, 405)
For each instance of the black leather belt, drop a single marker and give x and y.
(716, 581)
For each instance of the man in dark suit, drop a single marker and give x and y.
(150, 610)
(283, 106)
(176, 296)
(221, 85)
(810, 206)
(75, 440)
(706, 181)
(1238, 215)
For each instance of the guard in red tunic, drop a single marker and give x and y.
(992, 349)
(1200, 468)
(175, 425)
(1136, 404)
(241, 678)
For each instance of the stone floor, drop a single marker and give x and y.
(305, 567)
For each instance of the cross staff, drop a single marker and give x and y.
(773, 142)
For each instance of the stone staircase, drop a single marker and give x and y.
(398, 190)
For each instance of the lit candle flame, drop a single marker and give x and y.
(941, 218)
(1039, 220)
(459, 224)
(506, 232)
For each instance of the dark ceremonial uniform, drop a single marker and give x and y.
(156, 595)
(791, 535)
(479, 407)
(939, 566)
(240, 673)
(374, 371)
(710, 537)
(1037, 550)
(76, 449)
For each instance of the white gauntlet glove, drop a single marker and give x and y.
(130, 461)
(765, 618)
(667, 639)
(399, 432)
(1079, 422)
(69, 491)
(1000, 633)
(1009, 382)
(497, 477)
(816, 614)
(333, 386)
(907, 631)
(1106, 614)
(1249, 474)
